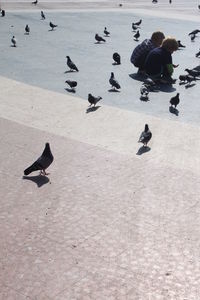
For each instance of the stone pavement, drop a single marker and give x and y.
(106, 223)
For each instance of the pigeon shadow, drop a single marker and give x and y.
(182, 83)
(68, 71)
(136, 40)
(115, 64)
(113, 90)
(187, 86)
(91, 109)
(144, 98)
(40, 180)
(143, 150)
(51, 30)
(173, 110)
(167, 88)
(70, 90)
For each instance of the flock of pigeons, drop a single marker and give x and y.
(45, 160)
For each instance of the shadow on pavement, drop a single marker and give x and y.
(91, 109)
(38, 179)
(173, 110)
(143, 150)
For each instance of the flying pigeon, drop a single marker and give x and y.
(93, 100)
(71, 83)
(71, 65)
(137, 35)
(134, 27)
(52, 25)
(42, 163)
(145, 136)
(114, 83)
(117, 58)
(14, 41)
(27, 29)
(194, 32)
(42, 15)
(106, 32)
(193, 73)
(174, 101)
(180, 45)
(35, 2)
(99, 39)
(138, 23)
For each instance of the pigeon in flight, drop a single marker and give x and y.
(35, 2)
(138, 23)
(14, 41)
(42, 163)
(106, 32)
(174, 101)
(194, 32)
(52, 25)
(93, 100)
(98, 38)
(180, 45)
(42, 15)
(27, 29)
(71, 83)
(117, 58)
(136, 36)
(71, 65)
(145, 136)
(114, 83)
(193, 73)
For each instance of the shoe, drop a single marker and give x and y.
(168, 80)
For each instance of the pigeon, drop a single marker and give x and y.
(198, 6)
(144, 91)
(42, 163)
(71, 83)
(137, 35)
(52, 25)
(42, 15)
(71, 65)
(193, 36)
(114, 83)
(93, 100)
(190, 78)
(3, 13)
(107, 33)
(180, 45)
(98, 38)
(183, 78)
(14, 41)
(174, 101)
(145, 136)
(198, 53)
(117, 58)
(138, 23)
(35, 2)
(193, 73)
(27, 29)
(194, 32)
(134, 27)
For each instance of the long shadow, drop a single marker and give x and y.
(91, 109)
(143, 150)
(116, 64)
(38, 179)
(173, 110)
(69, 71)
(70, 90)
(187, 86)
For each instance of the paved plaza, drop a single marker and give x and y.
(109, 222)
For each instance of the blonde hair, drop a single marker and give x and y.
(170, 44)
(157, 35)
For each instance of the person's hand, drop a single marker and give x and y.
(175, 66)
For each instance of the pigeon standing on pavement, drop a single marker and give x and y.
(27, 29)
(174, 101)
(14, 41)
(52, 25)
(106, 32)
(98, 38)
(136, 36)
(42, 163)
(144, 91)
(42, 15)
(3, 13)
(117, 58)
(180, 45)
(138, 23)
(134, 27)
(93, 100)
(145, 136)
(114, 83)
(71, 65)
(72, 84)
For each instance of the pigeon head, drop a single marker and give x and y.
(89, 95)
(146, 128)
(112, 74)
(177, 94)
(47, 145)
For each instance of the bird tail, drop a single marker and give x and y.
(31, 169)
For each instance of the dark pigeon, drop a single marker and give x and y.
(134, 27)
(193, 36)
(35, 2)
(27, 29)
(114, 83)
(117, 58)
(71, 83)
(174, 101)
(42, 163)
(180, 45)
(3, 13)
(98, 38)
(42, 15)
(106, 32)
(14, 41)
(137, 35)
(145, 136)
(93, 100)
(193, 73)
(52, 25)
(194, 32)
(198, 53)
(138, 23)
(71, 65)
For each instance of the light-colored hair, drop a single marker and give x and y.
(170, 44)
